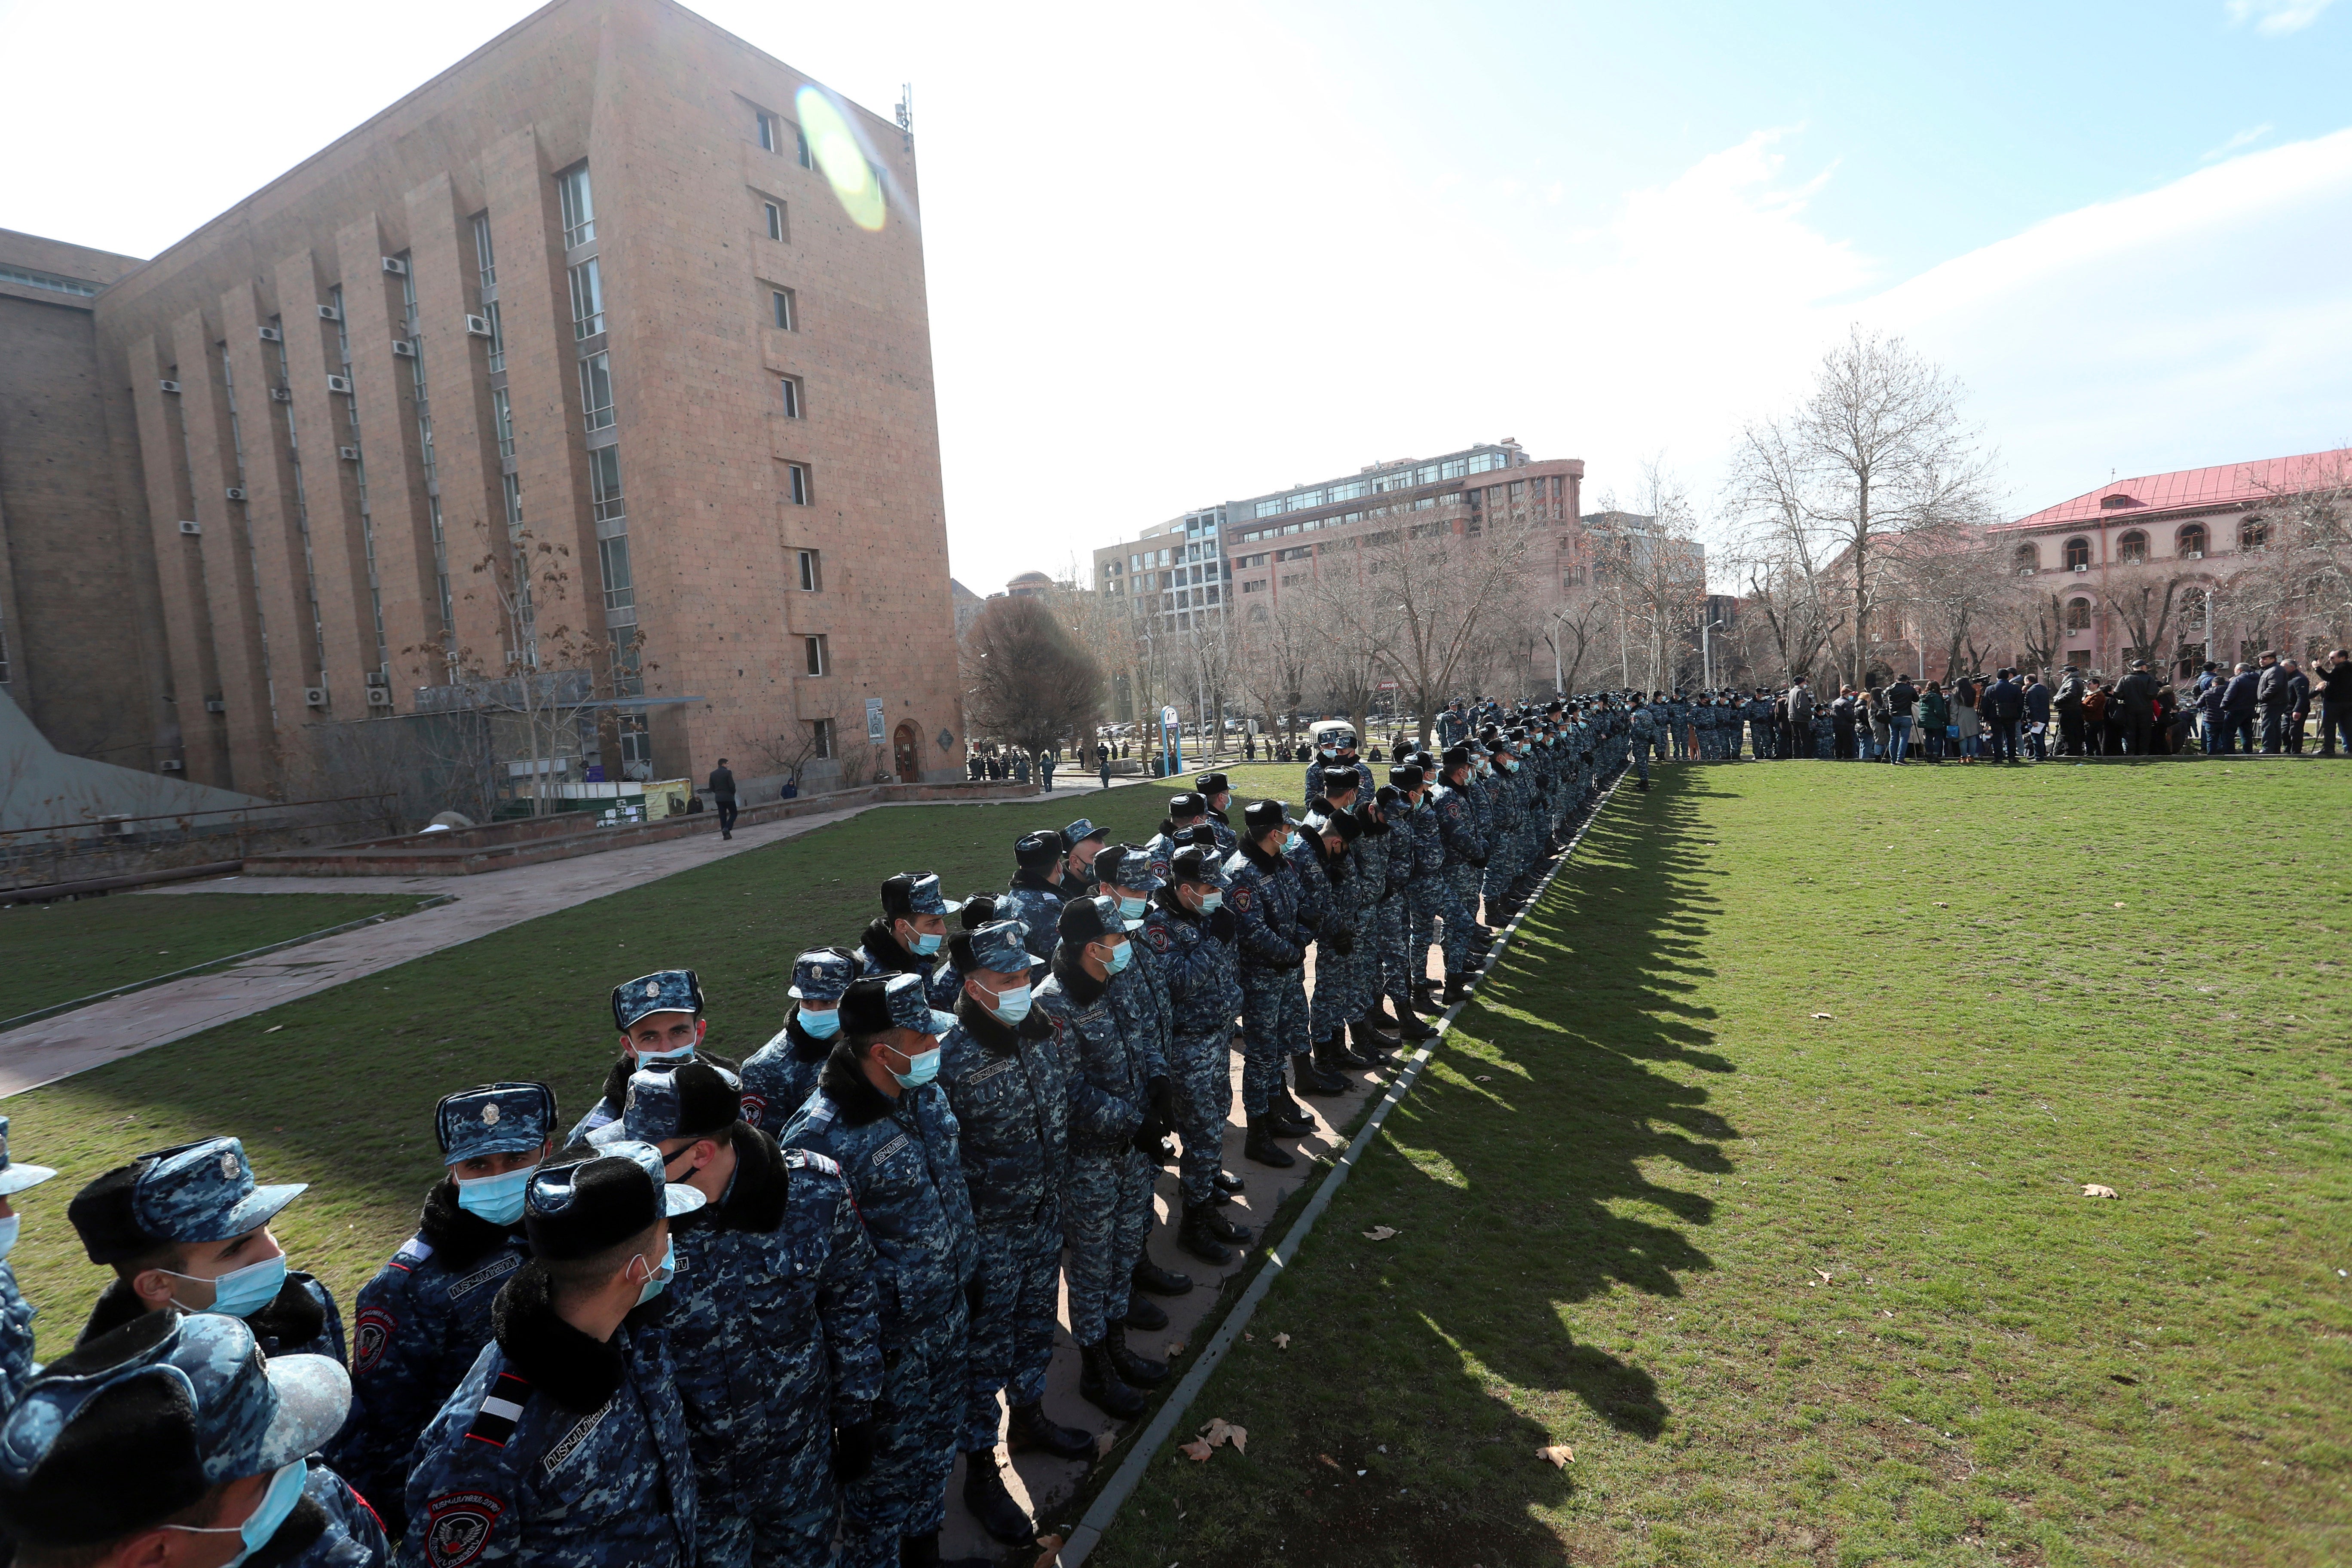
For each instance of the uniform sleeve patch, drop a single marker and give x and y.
(369, 1336)
(457, 1525)
(1157, 935)
(501, 1408)
(1243, 898)
(755, 1105)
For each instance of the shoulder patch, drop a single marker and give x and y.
(1242, 897)
(413, 1251)
(457, 1525)
(501, 1408)
(754, 1107)
(812, 1160)
(369, 1336)
(1157, 935)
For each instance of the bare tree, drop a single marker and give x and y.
(1271, 662)
(1027, 680)
(1877, 448)
(1947, 581)
(1572, 630)
(2295, 589)
(2040, 620)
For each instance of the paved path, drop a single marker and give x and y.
(52, 1048)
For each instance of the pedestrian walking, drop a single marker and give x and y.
(722, 796)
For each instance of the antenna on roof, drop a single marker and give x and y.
(906, 113)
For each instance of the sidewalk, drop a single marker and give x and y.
(52, 1048)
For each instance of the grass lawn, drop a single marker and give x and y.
(51, 953)
(337, 1089)
(1813, 1289)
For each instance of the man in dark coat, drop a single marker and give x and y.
(722, 796)
(2138, 691)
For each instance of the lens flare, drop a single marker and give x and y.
(843, 159)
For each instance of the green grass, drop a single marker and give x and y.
(1615, 1183)
(337, 1089)
(51, 953)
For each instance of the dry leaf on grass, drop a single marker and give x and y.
(1824, 1274)
(273, 1028)
(1197, 1452)
(1175, 1348)
(1104, 1442)
(1220, 1431)
(1328, 1460)
(1941, 905)
(1821, 1014)
(2120, 903)
(1484, 1078)
(1559, 1454)
(2094, 1190)
(1051, 1554)
(1379, 1233)
(1282, 1341)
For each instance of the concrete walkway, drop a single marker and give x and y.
(51, 1048)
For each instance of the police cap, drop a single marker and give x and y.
(1265, 815)
(1038, 851)
(586, 1200)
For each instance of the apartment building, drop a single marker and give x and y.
(1175, 576)
(618, 293)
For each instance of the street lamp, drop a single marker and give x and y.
(1706, 650)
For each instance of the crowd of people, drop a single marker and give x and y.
(752, 1311)
(2265, 705)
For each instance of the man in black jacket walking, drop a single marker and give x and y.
(722, 796)
(2138, 692)
(2332, 684)
(2004, 705)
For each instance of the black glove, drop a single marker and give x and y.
(853, 1450)
(1479, 861)
(1151, 1140)
(1162, 1094)
(1342, 940)
(972, 1293)
(1221, 923)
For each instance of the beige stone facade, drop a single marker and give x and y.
(591, 279)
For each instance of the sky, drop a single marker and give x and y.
(1185, 255)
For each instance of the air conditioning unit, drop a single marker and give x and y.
(314, 696)
(329, 313)
(339, 384)
(2196, 555)
(214, 705)
(2085, 567)
(272, 335)
(172, 766)
(347, 454)
(167, 386)
(379, 697)
(280, 394)
(402, 348)
(395, 266)
(191, 527)
(477, 326)
(236, 492)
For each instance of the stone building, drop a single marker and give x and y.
(618, 292)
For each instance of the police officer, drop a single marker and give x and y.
(1388, 829)
(1270, 942)
(1035, 895)
(772, 1321)
(1218, 791)
(566, 1444)
(879, 1116)
(1452, 728)
(780, 1075)
(1191, 934)
(909, 934)
(16, 1313)
(1426, 896)
(1081, 842)
(661, 1019)
(421, 1322)
(1008, 1086)
(1465, 859)
(187, 1226)
(1644, 728)
(1187, 822)
(1122, 1111)
(173, 1439)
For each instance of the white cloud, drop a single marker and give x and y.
(2243, 140)
(2276, 18)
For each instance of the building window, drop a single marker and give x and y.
(812, 651)
(807, 565)
(2132, 547)
(2078, 614)
(821, 732)
(587, 300)
(620, 590)
(789, 386)
(502, 414)
(2190, 542)
(497, 361)
(2028, 560)
(2078, 555)
(801, 146)
(767, 131)
(782, 311)
(485, 258)
(596, 390)
(2253, 534)
(797, 483)
(605, 489)
(771, 215)
(579, 206)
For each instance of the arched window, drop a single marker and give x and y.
(2078, 614)
(2028, 560)
(2190, 543)
(2078, 555)
(2132, 546)
(2253, 533)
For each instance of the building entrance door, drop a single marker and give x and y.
(909, 764)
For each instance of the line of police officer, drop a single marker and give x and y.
(751, 1314)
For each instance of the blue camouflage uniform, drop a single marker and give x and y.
(663, 991)
(1009, 1085)
(879, 951)
(1204, 992)
(779, 1076)
(1644, 730)
(1114, 1060)
(900, 1157)
(16, 1363)
(1426, 897)
(1343, 981)
(1465, 847)
(1451, 728)
(421, 1323)
(1037, 903)
(1270, 942)
(1394, 847)
(556, 1449)
(1210, 784)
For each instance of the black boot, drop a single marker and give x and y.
(1135, 1371)
(1196, 1238)
(1412, 1030)
(1383, 1017)
(1261, 1147)
(1309, 1079)
(1371, 1039)
(1143, 1312)
(1290, 1118)
(1333, 1057)
(1228, 1183)
(1099, 1385)
(1150, 1276)
(1031, 1429)
(984, 1494)
(1457, 988)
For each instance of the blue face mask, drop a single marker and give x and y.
(925, 944)
(659, 1281)
(498, 1199)
(650, 1058)
(1212, 900)
(285, 1491)
(920, 1069)
(1291, 842)
(1132, 909)
(821, 1026)
(1121, 955)
(1013, 1005)
(241, 1292)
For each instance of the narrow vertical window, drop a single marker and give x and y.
(497, 361)
(797, 483)
(820, 729)
(484, 257)
(800, 138)
(767, 131)
(596, 390)
(503, 410)
(587, 300)
(808, 571)
(774, 213)
(812, 651)
(781, 311)
(579, 206)
(790, 385)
